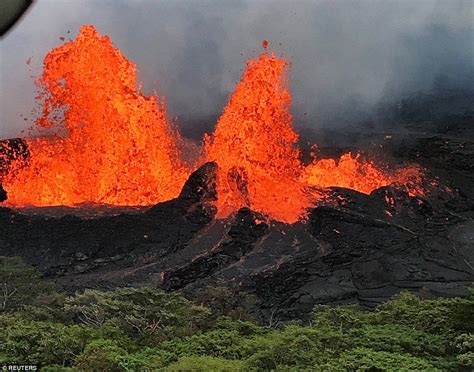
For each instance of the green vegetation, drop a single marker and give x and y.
(145, 329)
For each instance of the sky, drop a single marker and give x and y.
(346, 56)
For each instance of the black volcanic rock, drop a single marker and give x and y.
(201, 186)
(345, 256)
(3, 194)
(67, 246)
(246, 229)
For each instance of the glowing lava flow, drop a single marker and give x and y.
(112, 144)
(351, 172)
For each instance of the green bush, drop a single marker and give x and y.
(443, 315)
(20, 284)
(363, 359)
(225, 302)
(25, 341)
(340, 317)
(58, 368)
(204, 364)
(147, 359)
(102, 355)
(147, 314)
(399, 339)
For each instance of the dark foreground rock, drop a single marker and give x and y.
(81, 252)
(3, 194)
(359, 250)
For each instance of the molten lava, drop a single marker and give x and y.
(113, 145)
(255, 146)
(351, 172)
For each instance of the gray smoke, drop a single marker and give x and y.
(346, 55)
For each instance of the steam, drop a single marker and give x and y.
(346, 56)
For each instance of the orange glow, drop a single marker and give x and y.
(255, 146)
(111, 145)
(104, 142)
(351, 172)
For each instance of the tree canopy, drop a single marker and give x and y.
(146, 329)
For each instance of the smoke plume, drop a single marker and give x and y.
(346, 56)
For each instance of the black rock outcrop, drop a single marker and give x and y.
(3, 194)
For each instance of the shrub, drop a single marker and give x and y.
(145, 329)
(143, 313)
(442, 315)
(363, 359)
(102, 355)
(204, 364)
(25, 341)
(20, 284)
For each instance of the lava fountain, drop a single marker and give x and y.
(111, 144)
(255, 145)
(107, 143)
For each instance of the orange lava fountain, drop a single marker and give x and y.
(255, 146)
(111, 145)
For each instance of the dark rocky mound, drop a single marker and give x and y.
(359, 250)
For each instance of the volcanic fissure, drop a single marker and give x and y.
(101, 141)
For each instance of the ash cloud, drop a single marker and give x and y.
(346, 56)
